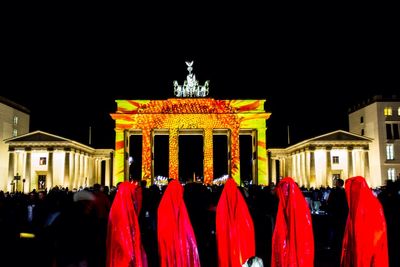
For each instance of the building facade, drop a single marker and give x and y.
(379, 119)
(320, 160)
(39, 160)
(14, 121)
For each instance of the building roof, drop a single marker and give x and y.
(338, 137)
(40, 138)
(12, 104)
(376, 98)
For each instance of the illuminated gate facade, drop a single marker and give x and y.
(189, 113)
(177, 116)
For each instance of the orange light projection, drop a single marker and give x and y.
(185, 114)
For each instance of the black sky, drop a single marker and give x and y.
(307, 63)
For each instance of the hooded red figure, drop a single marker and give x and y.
(124, 246)
(365, 238)
(234, 228)
(293, 239)
(176, 240)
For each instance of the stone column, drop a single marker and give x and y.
(111, 180)
(173, 153)
(228, 145)
(328, 167)
(11, 169)
(350, 162)
(282, 169)
(119, 156)
(126, 155)
(261, 163)
(273, 170)
(208, 156)
(366, 166)
(305, 180)
(312, 170)
(235, 154)
(28, 171)
(49, 177)
(66, 170)
(146, 155)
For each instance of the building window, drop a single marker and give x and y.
(389, 151)
(392, 174)
(392, 131)
(15, 132)
(15, 120)
(42, 161)
(335, 159)
(361, 119)
(395, 127)
(388, 111)
(362, 131)
(398, 111)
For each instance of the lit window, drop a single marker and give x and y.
(388, 111)
(42, 161)
(15, 120)
(15, 132)
(335, 160)
(389, 152)
(391, 174)
(398, 111)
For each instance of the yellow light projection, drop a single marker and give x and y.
(185, 114)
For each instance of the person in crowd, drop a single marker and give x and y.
(124, 245)
(292, 240)
(234, 227)
(365, 239)
(337, 209)
(176, 240)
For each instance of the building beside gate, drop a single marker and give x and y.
(379, 118)
(318, 161)
(40, 160)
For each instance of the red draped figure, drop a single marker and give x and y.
(124, 246)
(176, 240)
(234, 228)
(365, 239)
(293, 239)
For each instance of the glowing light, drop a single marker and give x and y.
(191, 87)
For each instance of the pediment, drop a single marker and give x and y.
(37, 136)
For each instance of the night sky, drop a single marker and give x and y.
(307, 64)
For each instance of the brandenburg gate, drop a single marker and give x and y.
(190, 113)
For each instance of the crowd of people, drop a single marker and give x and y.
(201, 225)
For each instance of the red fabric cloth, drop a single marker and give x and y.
(234, 227)
(365, 236)
(176, 240)
(124, 247)
(293, 239)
